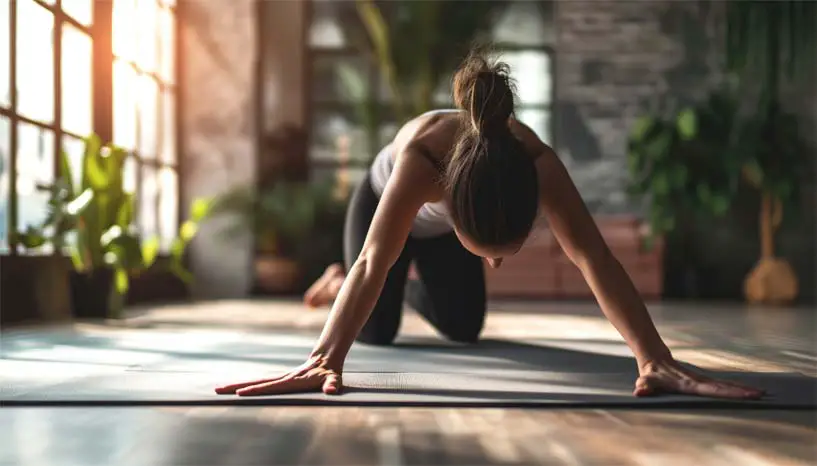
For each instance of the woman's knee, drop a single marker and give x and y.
(468, 334)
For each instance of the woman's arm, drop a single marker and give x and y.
(576, 231)
(413, 183)
(579, 237)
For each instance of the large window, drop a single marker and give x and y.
(144, 109)
(344, 82)
(52, 93)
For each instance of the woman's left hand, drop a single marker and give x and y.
(670, 377)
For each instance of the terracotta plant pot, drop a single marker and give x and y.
(277, 274)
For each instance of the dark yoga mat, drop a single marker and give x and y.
(424, 373)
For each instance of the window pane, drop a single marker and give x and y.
(124, 29)
(35, 61)
(148, 117)
(125, 81)
(526, 23)
(168, 206)
(35, 166)
(5, 54)
(5, 147)
(77, 69)
(147, 17)
(169, 128)
(538, 120)
(326, 30)
(75, 150)
(148, 202)
(80, 10)
(129, 175)
(340, 79)
(338, 136)
(167, 39)
(531, 70)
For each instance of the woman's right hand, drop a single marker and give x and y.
(315, 374)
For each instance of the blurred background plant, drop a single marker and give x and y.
(282, 217)
(417, 45)
(93, 222)
(692, 164)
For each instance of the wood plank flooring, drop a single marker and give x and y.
(710, 336)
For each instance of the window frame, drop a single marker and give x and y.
(102, 59)
(314, 54)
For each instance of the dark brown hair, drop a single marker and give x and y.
(490, 178)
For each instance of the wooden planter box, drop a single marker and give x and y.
(541, 270)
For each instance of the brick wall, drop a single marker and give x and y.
(612, 59)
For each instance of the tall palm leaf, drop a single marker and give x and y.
(417, 44)
(770, 40)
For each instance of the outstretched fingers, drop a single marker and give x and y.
(277, 387)
(653, 384)
(233, 388)
(718, 389)
(303, 369)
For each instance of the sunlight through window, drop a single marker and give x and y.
(146, 17)
(124, 29)
(149, 201)
(145, 109)
(35, 166)
(5, 55)
(80, 10)
(168, 206)
(142, 104)
(168, 44)
(77, 70)
(168, 152)
(149, 120)
(35, 61)
(125, 80)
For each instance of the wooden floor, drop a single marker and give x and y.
(710, 336)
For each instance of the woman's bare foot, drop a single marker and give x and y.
(326, 288)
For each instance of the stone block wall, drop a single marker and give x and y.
(613, 59)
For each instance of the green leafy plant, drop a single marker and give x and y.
(685, 163)
(775, 158)
(200, 210)
(280, 217)
(418, 44)
(769, 40)
(93, 221)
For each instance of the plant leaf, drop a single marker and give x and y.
(150, 251)
(687, 124)
(121, 281)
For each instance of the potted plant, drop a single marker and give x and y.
(98, 213)
(280, 217)
(48, 274)
(775, 158)
(93, 223)
(683, 164)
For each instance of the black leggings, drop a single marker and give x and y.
(451, 290)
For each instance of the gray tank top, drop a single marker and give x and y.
(433, 218)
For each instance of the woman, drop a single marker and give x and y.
(452, 188)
